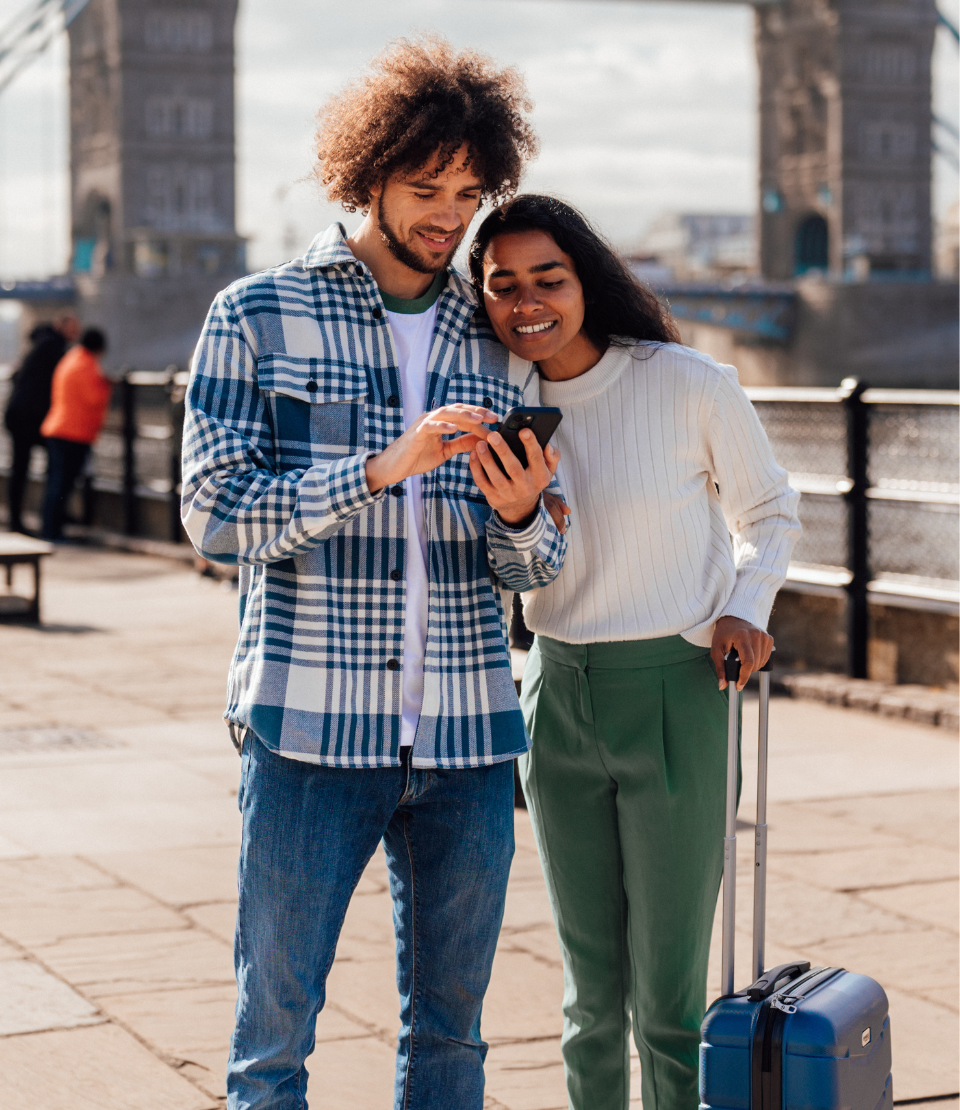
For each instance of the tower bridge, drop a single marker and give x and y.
(844, 181)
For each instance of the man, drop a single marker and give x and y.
(29, 402)
(371, 687)
(79, 396)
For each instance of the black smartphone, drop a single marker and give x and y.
(542, 422)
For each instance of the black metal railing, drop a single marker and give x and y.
(137, 454)
(877, 470)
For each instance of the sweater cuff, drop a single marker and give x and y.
(751, 610)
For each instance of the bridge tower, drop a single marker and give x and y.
(845, 137)
(152, 171)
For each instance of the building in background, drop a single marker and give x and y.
(152, 171)
(699, 246)
(845, 233)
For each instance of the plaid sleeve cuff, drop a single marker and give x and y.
(527, 538)
(343, 486)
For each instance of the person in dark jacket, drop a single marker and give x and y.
(30, 401)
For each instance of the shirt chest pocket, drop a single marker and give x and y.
(496, 394)
(317, 408)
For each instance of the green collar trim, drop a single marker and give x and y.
(421, 304)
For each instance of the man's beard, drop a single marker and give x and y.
(407, 255)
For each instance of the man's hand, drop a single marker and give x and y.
(753, 646)
(558, 509)
(422, 446)
(516, 494)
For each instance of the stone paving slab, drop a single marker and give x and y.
(911, 960)
(924, 1047)
(926, 817)
(100, 1068)
(50, 918)
(124, 963)
(9, 849)
(178, 1023)
(179, 876)
(527, 1075)
(358, 1072)
(131, 825)
(931, 903)
(876, 756)
(32, 1000)
(864, 868)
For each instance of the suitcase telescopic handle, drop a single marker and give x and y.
(731, 669)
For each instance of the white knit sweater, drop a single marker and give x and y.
(647, 437)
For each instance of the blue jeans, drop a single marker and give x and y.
(308, 833)
(65, 461)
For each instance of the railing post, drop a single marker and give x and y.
(858, 537)
(129, 409)
(176, 391)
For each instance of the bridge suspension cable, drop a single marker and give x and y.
(31, 31)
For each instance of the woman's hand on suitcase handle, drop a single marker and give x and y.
(753, 646)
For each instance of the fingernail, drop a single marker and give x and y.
(494, 437)
(481, 446)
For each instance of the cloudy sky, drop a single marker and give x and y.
(641, 108)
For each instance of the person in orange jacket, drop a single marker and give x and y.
(80, 394)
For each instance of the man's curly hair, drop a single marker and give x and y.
(420, 98)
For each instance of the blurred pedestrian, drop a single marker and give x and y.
(30, 401)
(79, 397)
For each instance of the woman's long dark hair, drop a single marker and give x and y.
(619, 310)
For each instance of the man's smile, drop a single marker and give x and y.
(437, 242)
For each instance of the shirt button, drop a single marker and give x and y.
(488, 402)
(393, 401)
(396, 575)
(312, 387)
(377, 313)
(393, 664)
(397, 491)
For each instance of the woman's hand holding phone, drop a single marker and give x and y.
(516, 494)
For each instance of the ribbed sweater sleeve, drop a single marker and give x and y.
(759, 506)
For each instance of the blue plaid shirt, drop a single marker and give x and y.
(295, 384)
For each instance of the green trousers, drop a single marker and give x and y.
(625, 787)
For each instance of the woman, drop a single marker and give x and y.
(663, 457)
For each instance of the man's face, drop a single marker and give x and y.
(423, 216)
(69, 327)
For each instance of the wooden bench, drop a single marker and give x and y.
(16, 549)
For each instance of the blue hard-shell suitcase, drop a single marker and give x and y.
(798, 1038)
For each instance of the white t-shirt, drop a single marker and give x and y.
(413, 338)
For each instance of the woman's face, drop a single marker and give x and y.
(532, 294)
